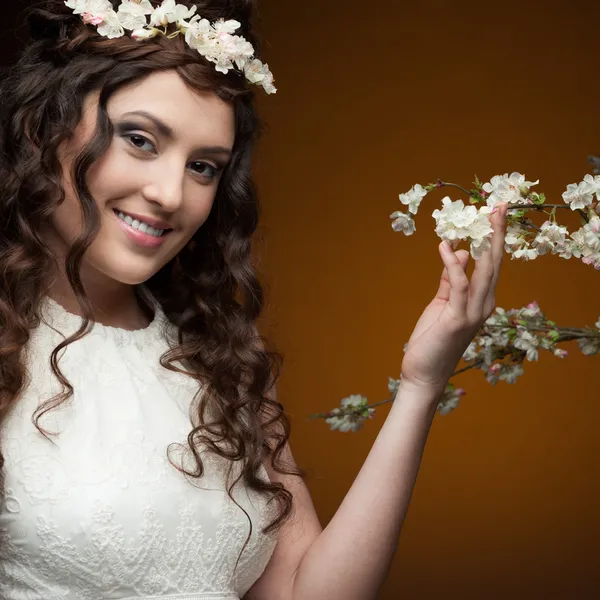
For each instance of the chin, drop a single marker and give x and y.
(128, 274)
(133, 278)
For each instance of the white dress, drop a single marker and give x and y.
(99, 513)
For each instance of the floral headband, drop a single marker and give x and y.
(214, 41)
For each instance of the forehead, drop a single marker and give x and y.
(194, 117)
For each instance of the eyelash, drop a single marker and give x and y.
(130, 136)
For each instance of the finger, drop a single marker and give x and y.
(443, 292)
(487, 269)
(456, 290)
(481, 280)
(499, 226)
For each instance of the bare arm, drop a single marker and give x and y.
(349, 560)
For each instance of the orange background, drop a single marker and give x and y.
(372, 99)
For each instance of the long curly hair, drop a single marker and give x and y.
(210, 291)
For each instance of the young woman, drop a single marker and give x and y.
(143, 452)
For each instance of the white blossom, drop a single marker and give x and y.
(510, 373)
(257, 72)
(403, 222)
(585, 242)
(132, 15)
(471, 352)
(527, 342)
(551, 238)
(566, 250)
(183, 13)
(450, 399)
(526, 253)
(350, 422)
(90, 7)
(457, 222)
(579, 195)
(594, 182)
(413, 198)
(531, 311)
(198, 29)
(393, 385)
(145, 5)
(144, 34)
(515, 238)
(480, 239)
(226, 28)
(217, 45)
(164, 14)
(511, 189)
(590, 346)
(111, 26)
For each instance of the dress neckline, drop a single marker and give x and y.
(59, 318)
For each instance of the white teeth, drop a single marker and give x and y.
(143, 227)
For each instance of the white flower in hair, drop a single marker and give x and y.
(111, 26)
(257, 72)
(170, 12)
(92, 7)
(132, 15)
(162, 15)
(144, 34)
(216, 42)
(99, 13)
(145, 4)
(183, 13)
(226, 27)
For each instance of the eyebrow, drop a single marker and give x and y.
(168, 132)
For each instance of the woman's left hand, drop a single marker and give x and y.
(455, 315)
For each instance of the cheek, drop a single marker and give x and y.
(109, 177)
(112, 176)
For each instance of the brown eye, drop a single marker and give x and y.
(140, 142)
(205, 169)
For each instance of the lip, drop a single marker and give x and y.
(140, 238)
(156, 223)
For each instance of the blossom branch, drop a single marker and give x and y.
(502, 345)
(526, 240)
(508, 338)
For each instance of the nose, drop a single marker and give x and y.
(165, 186)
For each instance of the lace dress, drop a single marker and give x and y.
(99, 513)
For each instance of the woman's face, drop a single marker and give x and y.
(164, 165)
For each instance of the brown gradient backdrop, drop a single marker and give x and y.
(373, 98)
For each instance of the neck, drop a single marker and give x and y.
(113, 303)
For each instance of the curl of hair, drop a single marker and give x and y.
(210, 291)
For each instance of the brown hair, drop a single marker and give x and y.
(210, 291)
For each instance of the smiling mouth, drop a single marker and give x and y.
(118, 214)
